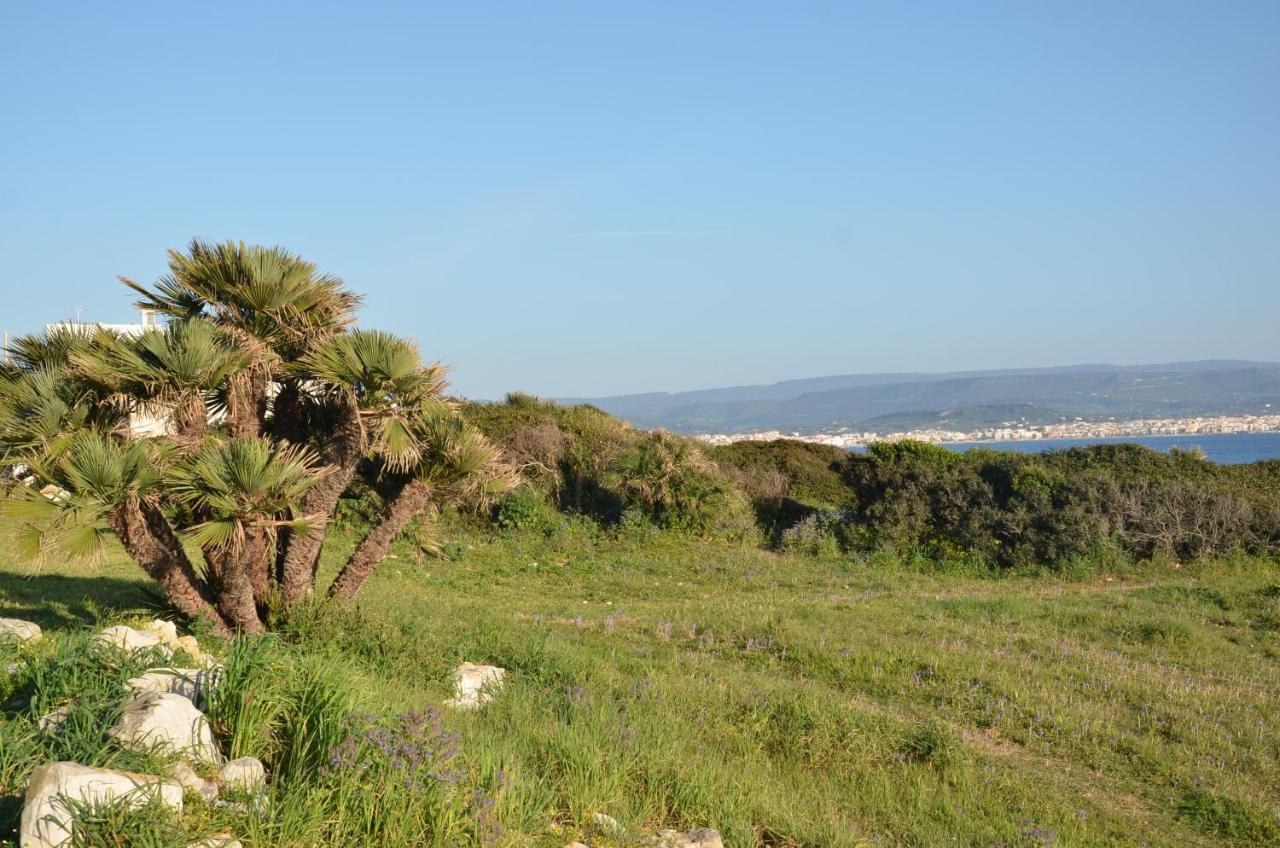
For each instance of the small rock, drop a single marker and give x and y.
(19, 630)
(699, 837)
(474, 685)
(52, 721)
(576, 845)
(167, 722)
(166, 630)
(12, 668)
(606, 824)
(195, 684)
(191, 647)
(245, 774)
(222, 840)
(188, 779)
(46, 822)
(131, 640)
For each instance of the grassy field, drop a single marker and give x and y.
(802, 701)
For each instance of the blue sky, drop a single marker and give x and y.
(599, 198)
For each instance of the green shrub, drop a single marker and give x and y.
(526, 509)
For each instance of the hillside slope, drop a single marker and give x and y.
(1090, 391)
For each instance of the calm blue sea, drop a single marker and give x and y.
(1225, 448)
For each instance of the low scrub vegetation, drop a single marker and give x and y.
(1002, 509)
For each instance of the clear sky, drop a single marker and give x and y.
(599, 198)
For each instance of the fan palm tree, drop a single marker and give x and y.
(272, 401)
(99, 482)
(455, 462)
(373, 389)
(247, 490)
(174, 370)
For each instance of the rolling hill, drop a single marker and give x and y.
(884, 402)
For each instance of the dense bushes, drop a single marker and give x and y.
(1006, 509)
(582, 460)
(1020, 509)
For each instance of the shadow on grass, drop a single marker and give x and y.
(62, 602)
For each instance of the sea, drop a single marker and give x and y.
(1223, 448)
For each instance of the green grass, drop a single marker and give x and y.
(785, 700)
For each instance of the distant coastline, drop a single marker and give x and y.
(1169, 432)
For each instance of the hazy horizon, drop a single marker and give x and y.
(586, 201)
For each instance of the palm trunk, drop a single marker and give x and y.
(302, 557)
(191, 420)
(410, 501)
(151, 542)
(258, 561)
(235, 595)
(247, 402)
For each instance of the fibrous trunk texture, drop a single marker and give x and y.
(247, 402)
(410, 501)
(191, 421)
(149, 539)
(298, 568)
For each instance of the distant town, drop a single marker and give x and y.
(1076, 429)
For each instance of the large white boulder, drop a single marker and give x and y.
(130, 640)
(168, 723)
(19, 630)
(474, 685)
(194, 684)
(244, 774)
(46, 821)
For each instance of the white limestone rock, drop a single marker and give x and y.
(194, 684)
(188, 779)
(51, 722)
(699, 837)
(46, 822)
(606, 824)
(192, 648)
(474, 685)
(130, 640)
(166, 630)
(245, 774)
(222, 840)
(19, 630)
(169, 723)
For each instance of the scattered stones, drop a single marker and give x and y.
(130, 640)
(19, 630)
(245, 774)
(474, 685)
(606, 824)
(45, 818)
(188, 779)
(168, 722)
(699, 837)
(194, 684)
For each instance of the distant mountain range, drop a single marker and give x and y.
(962, 399)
